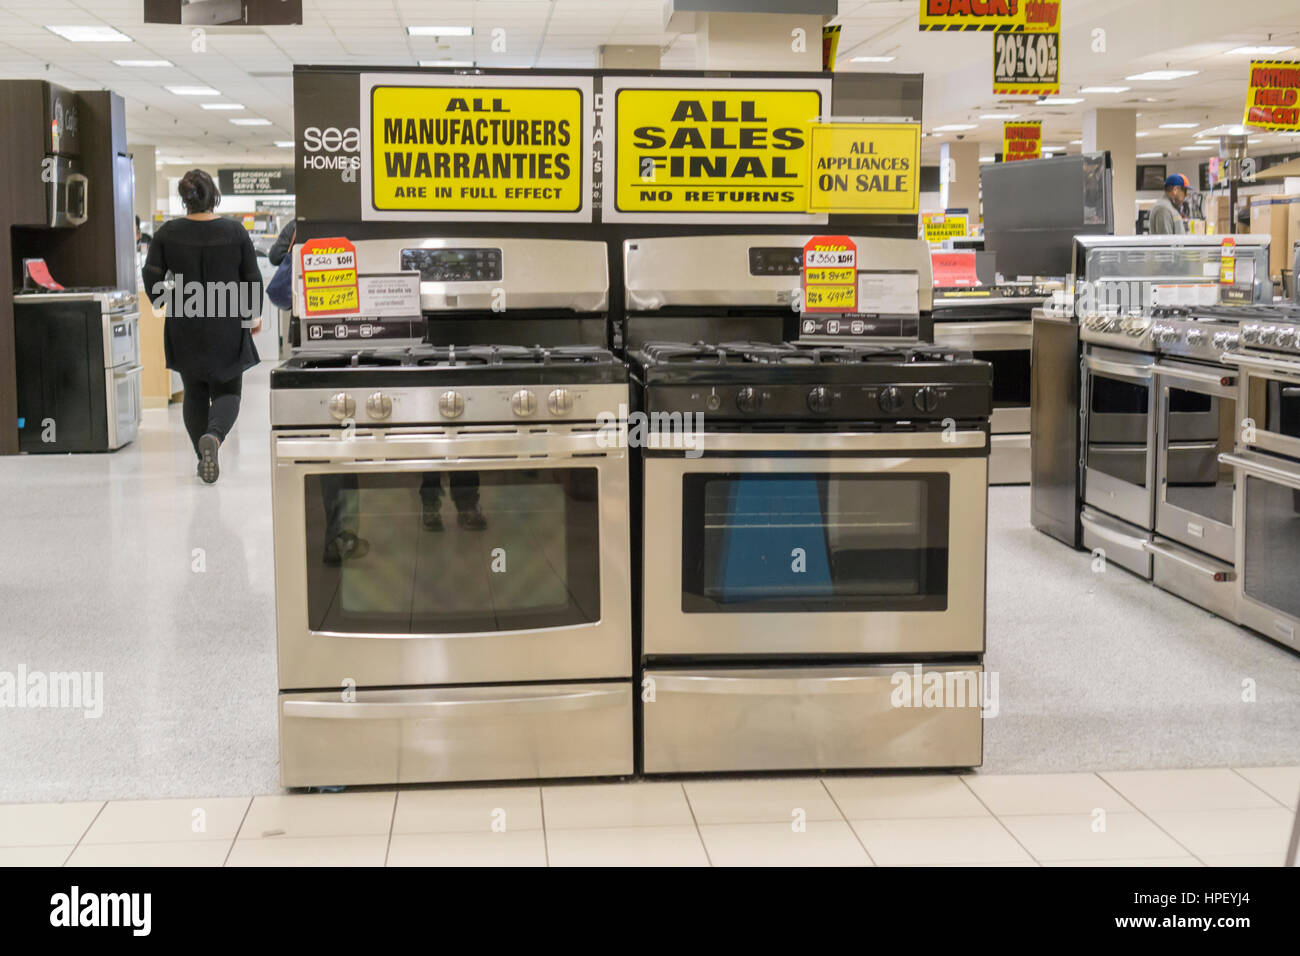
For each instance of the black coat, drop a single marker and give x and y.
(204, 335)
(280, 248)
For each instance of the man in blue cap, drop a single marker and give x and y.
(1166, 214)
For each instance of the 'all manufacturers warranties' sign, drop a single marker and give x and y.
(475, 147)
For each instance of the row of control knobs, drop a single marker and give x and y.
(1285, 337)
(451, 404)
(891, 400)
(1166, 334)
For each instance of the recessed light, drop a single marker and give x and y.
(1059, 101)
(448, 63)
(1149, 155)
(1200, 148)
(143, 63)
(90, 34)
(1179, 125)
(873, 59)
(988, 159)
(192, 90)
(251, 121)
(955, 127)
(1257, 50)
(1000, 116)
(1054, 149)
(1076, 142)
(284, 143)
(1141, 133)
(1105, 89)
(440, 31)
(1162, 75)
(222, 106)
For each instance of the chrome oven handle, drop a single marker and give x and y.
(1155, 547)
(841, 441)
(1114, 537)
(1262, 469)
(398, 448)
(778, 686)
(1269, 366)
(1137, 373)
(1199, 378)
(443, 709)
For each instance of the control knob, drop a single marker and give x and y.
(1267, 334)
(1195, 337)
(891, 400)
(1250, 334)
(1285, 338)
(1162, 334)
(560, 401)
(342, 406)
(1226, 340)
(926, 399)
(379, 405)
(451, 403)
(748, 400)
(523, 403)
(819, 400)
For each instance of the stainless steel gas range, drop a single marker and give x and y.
(451, 553)
(820, 546)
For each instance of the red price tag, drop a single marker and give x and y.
(830, 274)
(329, 277)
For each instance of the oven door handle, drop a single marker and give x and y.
(840, 441)
(1113, 536)
(1155, 547)
(1136, 373)
(782, 686)
(1194, 377)
(1257, 466)
(443, 709)
(399, 448)
(1268, 366)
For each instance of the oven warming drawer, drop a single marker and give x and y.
(808, 719)
(440, 735)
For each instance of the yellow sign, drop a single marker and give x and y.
(476, 149)
(1022, 141)
(865, 168)
(940, 226)
(830, 44)
(1004, 16)
(342, 299)
(712, 150)
(1273, 98)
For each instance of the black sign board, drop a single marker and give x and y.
(268, 181)
(1151, 177)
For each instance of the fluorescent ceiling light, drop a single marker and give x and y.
(873, 59)
(143, 63)
(1105, 89)
(284, 143)
(955, 127)
(1000, 116)
(90, 34)
(1179, 125)
(251, 121)
(1162, 75)
(440, 31)
(1257, 50)
(1055, 148)
(192, 90)
(222, 106)
(446, 63)
(1149, 155)
(1059, 101)
(1200, 148)
(988, 159)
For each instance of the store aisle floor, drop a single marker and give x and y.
(127, 565)
(1213, 817)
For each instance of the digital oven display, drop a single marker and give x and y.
(454, 265)
(775, 260)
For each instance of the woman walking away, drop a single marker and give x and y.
(213, 307)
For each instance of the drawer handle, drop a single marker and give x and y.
(1114, 537)
(1209, 572)
(779, 686)
(441, 709)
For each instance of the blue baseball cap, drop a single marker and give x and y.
(1177, 179)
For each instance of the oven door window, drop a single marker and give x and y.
(1272, 526)
(1200, 428)
(451, 552)
(1275, 407)
(1118, 416)
(814, 542)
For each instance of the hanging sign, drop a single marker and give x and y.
(1006, 16)
(1027, 64)
(830, 274)
(830, 44)
(719, 150)
(865, 168)
(475, 148)
(329, 277)
(1022, 141)
(938, 226)
(1273, 96)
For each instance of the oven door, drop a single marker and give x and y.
(1119, 434)
(1268, 545)
(1271, 403)
(1006, 345)
(787, 545)
(378, 581)
(1196, 423)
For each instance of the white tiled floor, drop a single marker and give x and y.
(1133, 818)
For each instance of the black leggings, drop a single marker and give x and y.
(210, 407)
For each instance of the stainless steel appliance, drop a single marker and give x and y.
(828, 537)
(66, 187)
(1267, 465)
(78, 370)
(485, 638)
(1056, 473)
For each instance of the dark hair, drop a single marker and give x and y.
(198, 192)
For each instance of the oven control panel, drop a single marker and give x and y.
(913, 401)
(454, 265)
(775, 260)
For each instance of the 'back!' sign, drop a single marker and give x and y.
(454, 151)
(729, 151)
